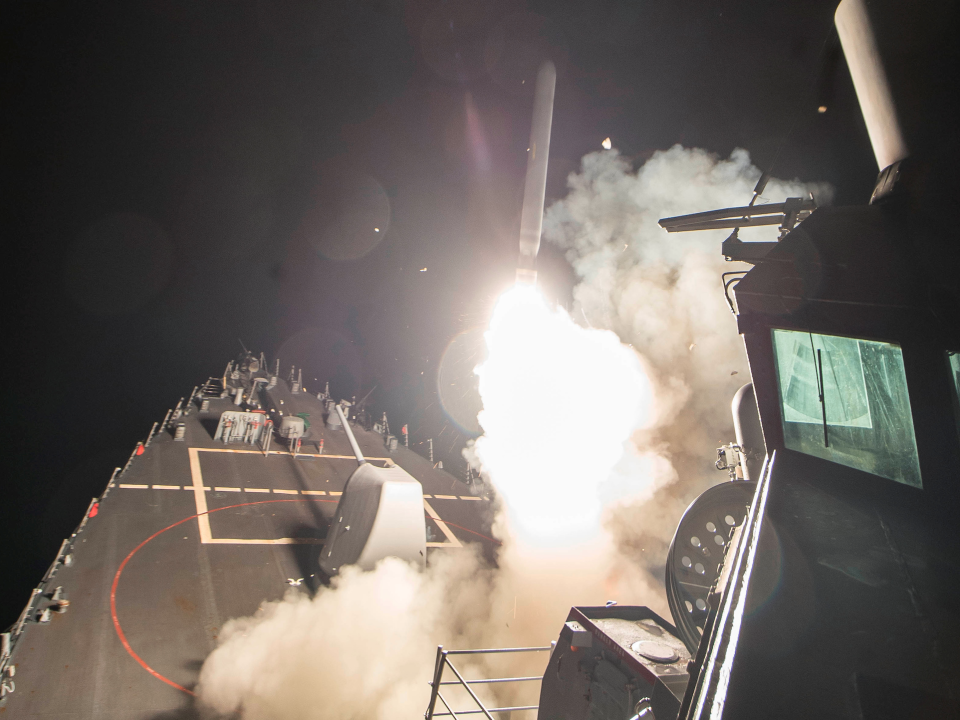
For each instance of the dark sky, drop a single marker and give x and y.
(180, 175)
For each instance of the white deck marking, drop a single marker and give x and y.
(203, 519)
(443, 528)
(199, 497)
(208, 488)
(275, 541)
(284, 452)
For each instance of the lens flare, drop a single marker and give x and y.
(560, 403)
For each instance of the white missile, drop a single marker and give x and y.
(534, 189)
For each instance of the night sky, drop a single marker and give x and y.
(181, 176)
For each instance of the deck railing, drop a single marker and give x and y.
(443, 662)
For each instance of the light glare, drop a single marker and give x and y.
(559, 405)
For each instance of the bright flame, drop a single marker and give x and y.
(607, 144)
(559, 405)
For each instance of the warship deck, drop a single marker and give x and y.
(191, 534)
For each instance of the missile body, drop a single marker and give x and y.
(531, 218)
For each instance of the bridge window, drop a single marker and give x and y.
(845, 400)
(954, 360)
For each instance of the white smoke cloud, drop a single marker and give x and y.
(578, 428)
(662, 294)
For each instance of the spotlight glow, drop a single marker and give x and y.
(559, 404)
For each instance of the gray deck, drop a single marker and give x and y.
(176, 591)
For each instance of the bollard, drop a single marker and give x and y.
(204, 405)
(180, 432)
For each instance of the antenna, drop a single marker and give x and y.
(243, 346)
(365, 397)
(786, 215)
(353, 441)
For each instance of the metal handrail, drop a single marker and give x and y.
(498, 650)
(496, 680)
(443, 661)
(485, 711)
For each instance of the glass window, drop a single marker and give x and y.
(845, 400)
(954, 358)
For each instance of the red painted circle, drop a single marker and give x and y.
(116, 581)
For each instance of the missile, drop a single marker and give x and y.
(531, 218)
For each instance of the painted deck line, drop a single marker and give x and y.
(208, 488)
(199, 497)
(443, 527)
(274, 541)
(284, 452)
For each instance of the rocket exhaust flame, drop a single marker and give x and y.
(559, 405)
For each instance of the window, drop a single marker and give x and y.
(954, 359)
(845, 400)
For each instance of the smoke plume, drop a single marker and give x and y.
(661, 294)
(599, 426)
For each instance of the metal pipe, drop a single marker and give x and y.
(498, 650)
(466, 687)
(496, 680)
(870, 82)
(487, 712)
(447, 705)
(353, 441)
(437, 674)
(733, 212)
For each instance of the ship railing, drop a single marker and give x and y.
(34, 611)
(443, 662)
